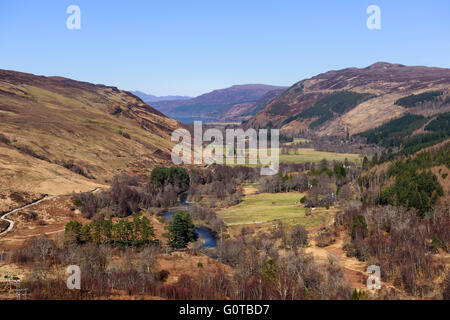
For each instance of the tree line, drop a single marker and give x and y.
(137, 232)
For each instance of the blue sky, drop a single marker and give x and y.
(190, 47)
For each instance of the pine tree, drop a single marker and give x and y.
(365, 163)
(181, 230)
(72, 232)
(270, 270)
(359, 228)
(374, 161)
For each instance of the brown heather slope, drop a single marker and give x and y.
(49, 125)
(387, 82)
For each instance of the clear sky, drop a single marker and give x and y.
(189, 47)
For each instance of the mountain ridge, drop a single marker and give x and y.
(216, 105)
(149, 98)
(385, 82)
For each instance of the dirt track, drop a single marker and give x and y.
(11, 222)
(354, 270)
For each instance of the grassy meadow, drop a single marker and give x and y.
(310, 155)
(264, 207)
(268, 207)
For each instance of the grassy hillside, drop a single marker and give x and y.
(59, 135)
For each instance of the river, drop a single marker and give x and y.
(205, 234)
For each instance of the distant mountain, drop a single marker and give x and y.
(149, 98)
(231, 104)
(353, 100)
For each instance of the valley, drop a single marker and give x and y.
(86, 178)
(224, 159)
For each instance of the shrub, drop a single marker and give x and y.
(77, 202)
(270, 270)
(124, 134)
(75, 168)
(4, 139)
(358, 295)
(163, 275)
(117, 110)
(299, 236)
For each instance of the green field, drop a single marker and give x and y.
(310, 155)
(266, 207)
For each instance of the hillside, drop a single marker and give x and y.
(225, 104)
(356, 100)
(58, 135)
(417, 180)
(243, 111)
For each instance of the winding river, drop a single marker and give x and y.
(205, 234)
